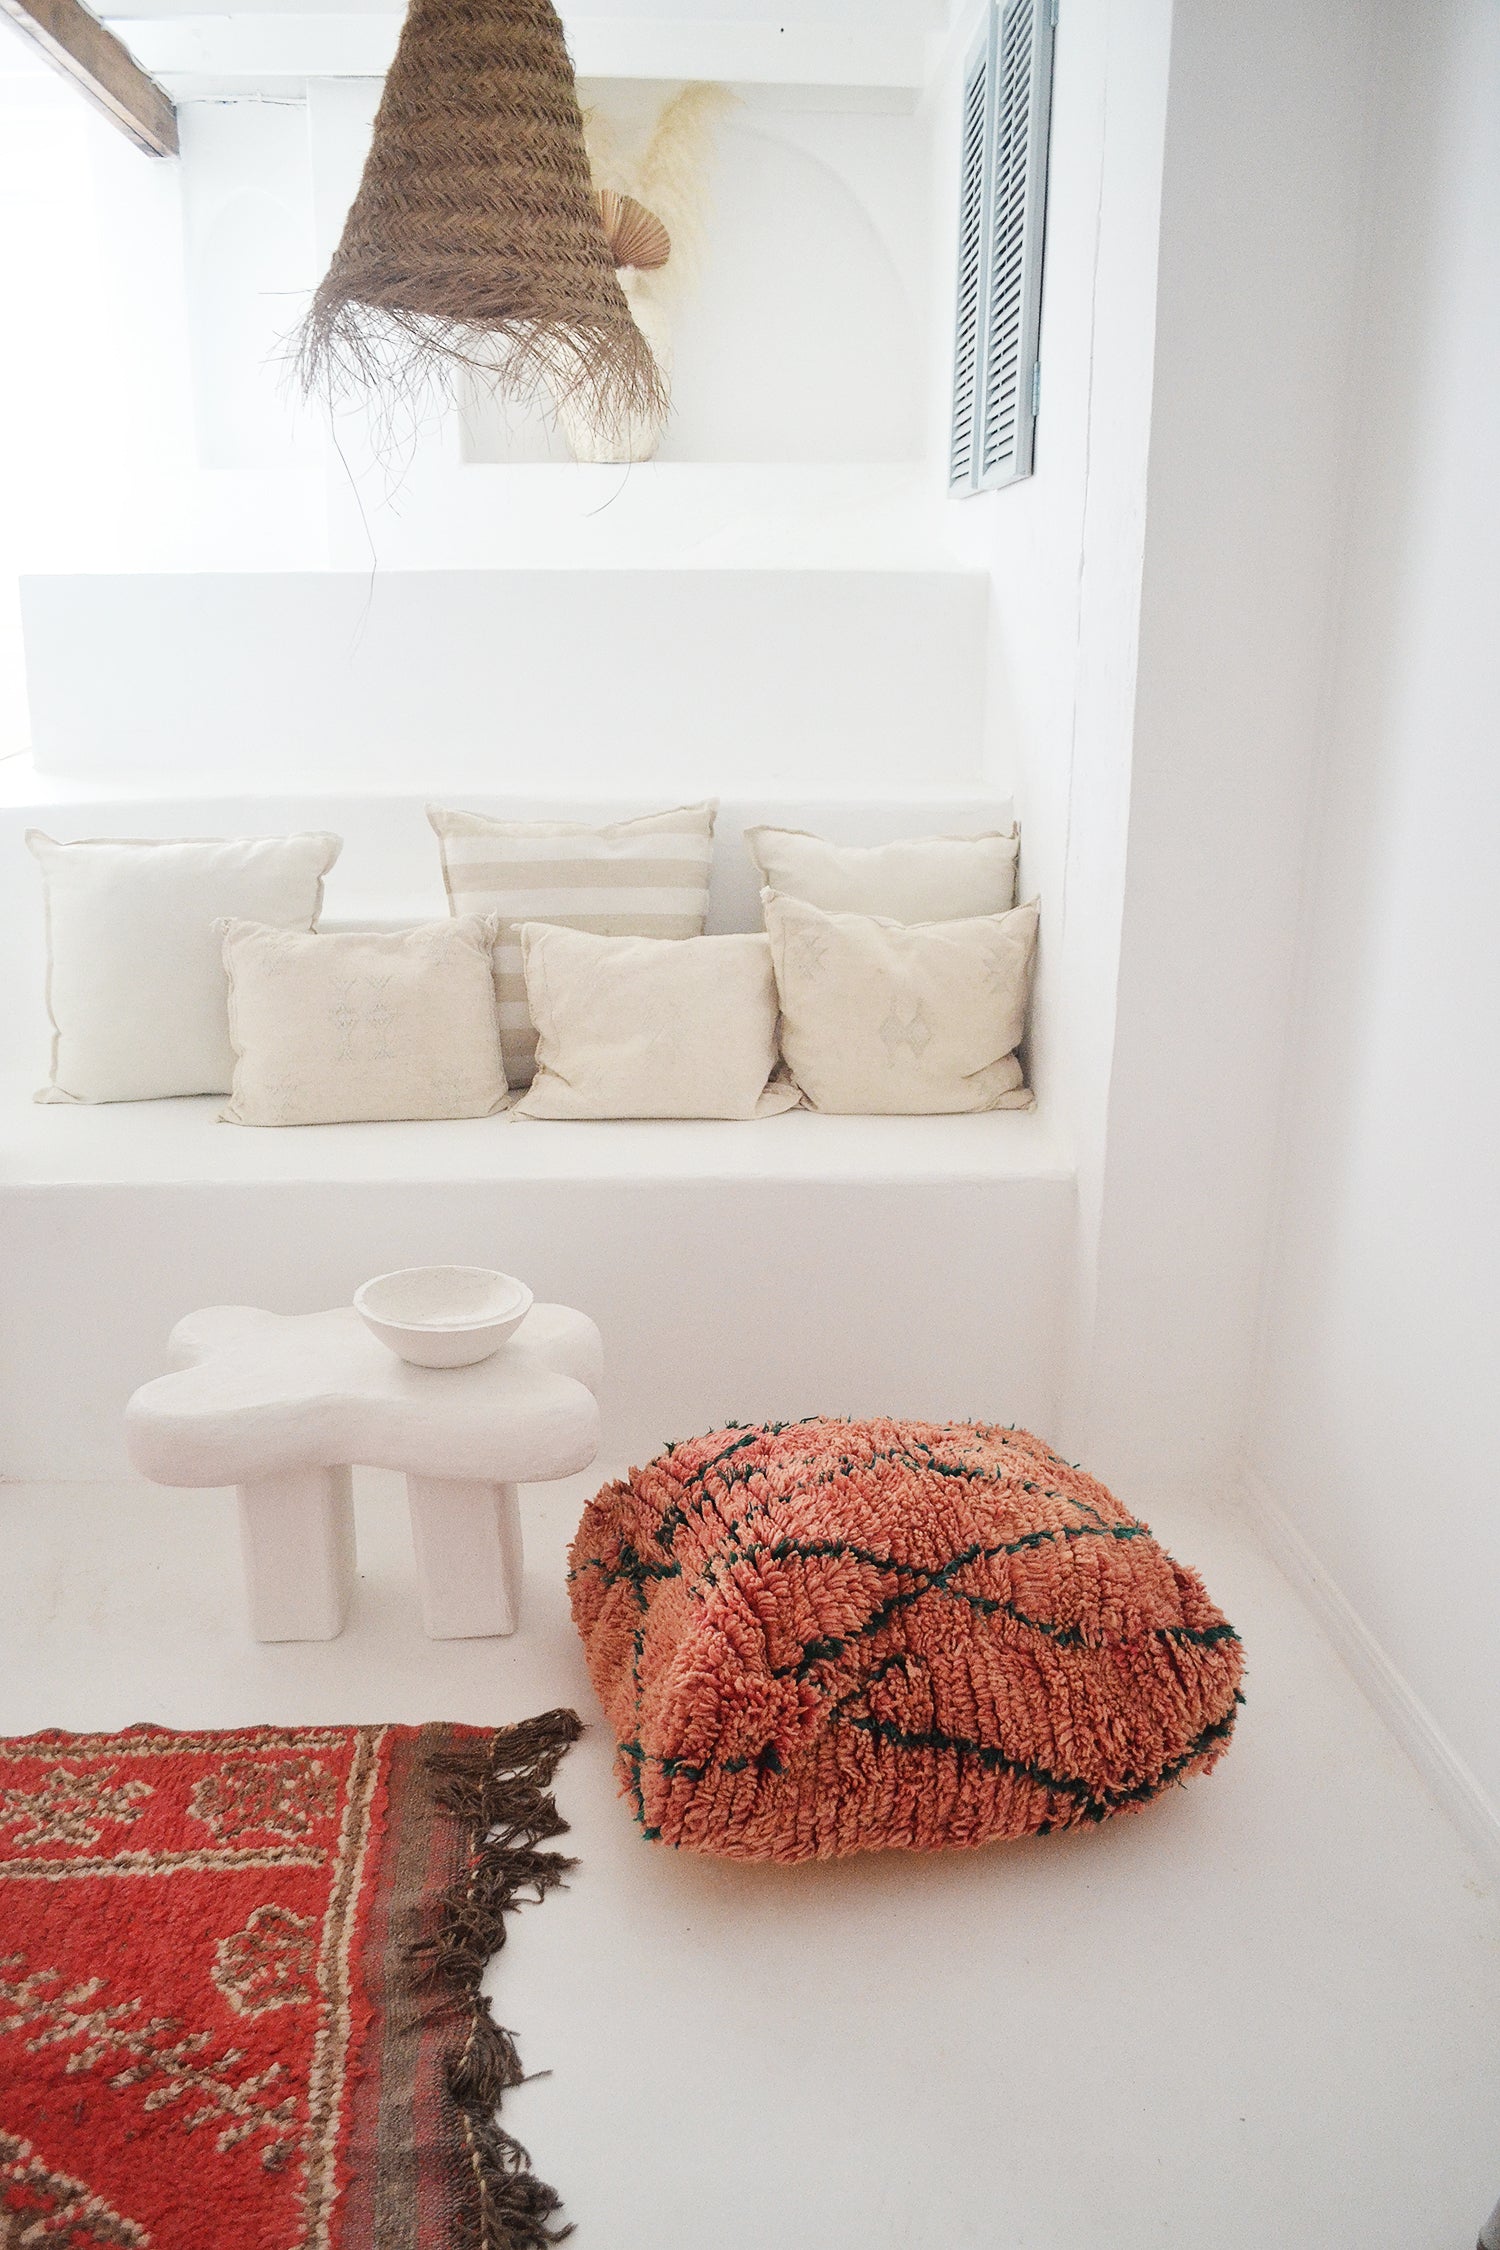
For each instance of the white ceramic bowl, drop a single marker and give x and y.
(443, 1316)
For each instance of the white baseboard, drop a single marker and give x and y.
(1457, 1789)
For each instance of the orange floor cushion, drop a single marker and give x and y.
(824, 1637)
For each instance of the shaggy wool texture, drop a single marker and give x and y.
(828, 1637)
(239, 1986)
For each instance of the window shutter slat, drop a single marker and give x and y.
(969, 322)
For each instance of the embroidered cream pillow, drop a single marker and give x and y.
(920, 879)
(357, 1025)
(135, 969)
(885, 1018)
(639, 1027)
(634, 878)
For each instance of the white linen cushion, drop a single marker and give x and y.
(351, 1026)
(135, 969)
(632, 878)
(919, 879)
(887, 1018)
(646, 1027)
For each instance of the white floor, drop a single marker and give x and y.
(1263, 2016)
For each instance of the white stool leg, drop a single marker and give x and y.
(297, 1538)
(467, 1535)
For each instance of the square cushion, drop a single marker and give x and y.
(889, 1018)
(918, 879)
(633, 878)
(822, 1637)
(135, 967)
(358, 1025)
(647, 1027)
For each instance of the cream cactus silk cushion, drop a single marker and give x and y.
(646, 877)
(355, 1026)
(135, 968)
(885, 1018)
(639, 1027)
(917, 879)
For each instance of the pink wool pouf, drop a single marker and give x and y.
(829, 1637)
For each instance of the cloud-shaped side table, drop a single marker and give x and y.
(282, 1405)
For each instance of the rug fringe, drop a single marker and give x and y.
(499, 1789)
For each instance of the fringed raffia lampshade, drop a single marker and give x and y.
(475, 239)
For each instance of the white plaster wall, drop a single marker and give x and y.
(1260, 249)
(694, 682)
(1373, 1426)
(94, 404)
(1063, 551)
(251, 263)
(1160, 606)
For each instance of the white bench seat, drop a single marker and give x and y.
(183, 1143)
(794, 1265)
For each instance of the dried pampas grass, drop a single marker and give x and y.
(668, 179)
(672, 179)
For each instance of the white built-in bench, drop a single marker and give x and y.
(793, 1265)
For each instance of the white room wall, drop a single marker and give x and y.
(691, 682)
(1371, 1441)
(1260, 249)
(1161, 597)
(94, 401)
(1063, 552)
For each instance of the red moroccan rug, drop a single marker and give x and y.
(239, 1986)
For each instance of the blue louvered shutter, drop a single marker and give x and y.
(994, 426)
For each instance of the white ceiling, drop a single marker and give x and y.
(878, 48)
(912, 17)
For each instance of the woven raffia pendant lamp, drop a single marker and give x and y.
(475, 239)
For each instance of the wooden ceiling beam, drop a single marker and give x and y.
(103, 69)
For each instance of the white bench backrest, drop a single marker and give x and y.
(389, 871)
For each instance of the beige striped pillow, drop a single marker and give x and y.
(634, 878)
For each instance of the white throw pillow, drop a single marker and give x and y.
(135, 968)
(641, 1027)
(634, 878)
(893, 1019)
(353, 1026)
(919, 879)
